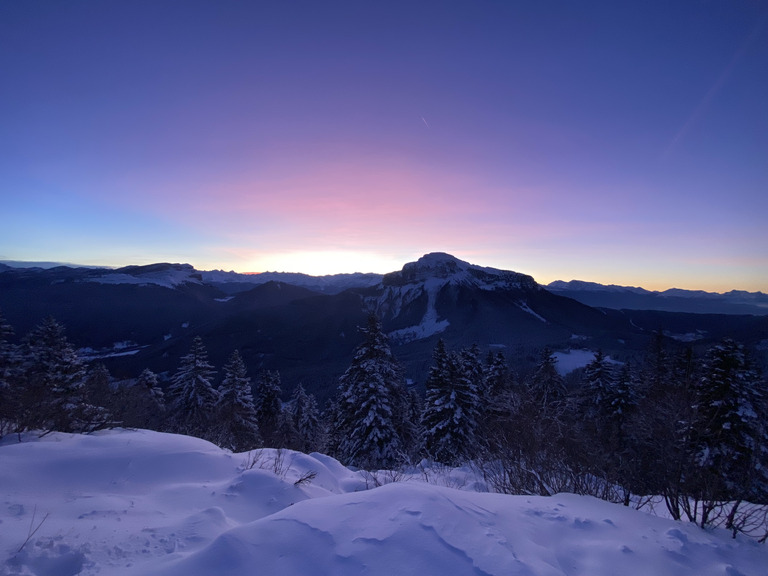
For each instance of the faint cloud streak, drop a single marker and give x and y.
(704, 104)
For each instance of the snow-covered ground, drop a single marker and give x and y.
(145, 503)
(574, 359)
(430, 324)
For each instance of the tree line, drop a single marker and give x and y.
(46, 386)
(690, 430)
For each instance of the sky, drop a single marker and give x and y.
(616, 142)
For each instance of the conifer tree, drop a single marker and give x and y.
(595, 401)
(473, 397)
(606, 402)
(660, 425)
(370, 394)
(54, 377)
(538, 451)
(193, 397)
(626, 466)
(410, 430)
(269, 408)
(451, 408)
(306, 418)
(238, 423)
(440, 408)
(331, 422)
(144, 402)
(9, 366)
(546, 386)
(496, 426)
(729, 430)
(99, 395)
(287, 435)
(497, 376)
(598, 387)
(148, 382)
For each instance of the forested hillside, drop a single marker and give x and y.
(691, 428)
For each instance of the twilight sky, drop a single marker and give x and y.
(618, 142)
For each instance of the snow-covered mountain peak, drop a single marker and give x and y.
(164, 274)
(441, 268)
(439, 261)
(418, 286)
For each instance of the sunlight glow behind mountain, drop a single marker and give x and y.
(322, 263)
(622, 143)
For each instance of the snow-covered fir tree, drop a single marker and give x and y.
(8, 353)
(439, 408)
(369, 396)
(625, 399)
(546, 386)
(288, 436)
(451, 407)
(54, 378)
(606, 402)
(598, 385)
(306, 419)
(659, 428)
(100, 395)
(144, 402)
(238, 427)
(729, 430)
(9, 366)
(269, 408)
(500, 401)
(193, 397)
(148, 382)
(596, 399)
(410, 429)
(655, 373)
(330, 419)
(496, 374)
(473, 396)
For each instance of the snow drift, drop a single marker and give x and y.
(140, 502)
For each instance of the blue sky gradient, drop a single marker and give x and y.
(615, 142)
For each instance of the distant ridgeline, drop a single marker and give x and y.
(673, 300)
(306, 327)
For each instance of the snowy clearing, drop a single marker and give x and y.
(574, 359)
(140, 502)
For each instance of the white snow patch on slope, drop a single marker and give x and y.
(687, 337)
(430, 324)
(130, 503)
(525, 308)
(574, 359)
(124, 348)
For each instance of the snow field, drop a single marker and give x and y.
(144, 503)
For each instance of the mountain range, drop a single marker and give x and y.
(672, 300)
(590, 293)
(307, 327)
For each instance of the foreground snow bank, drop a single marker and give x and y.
(140, 502)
